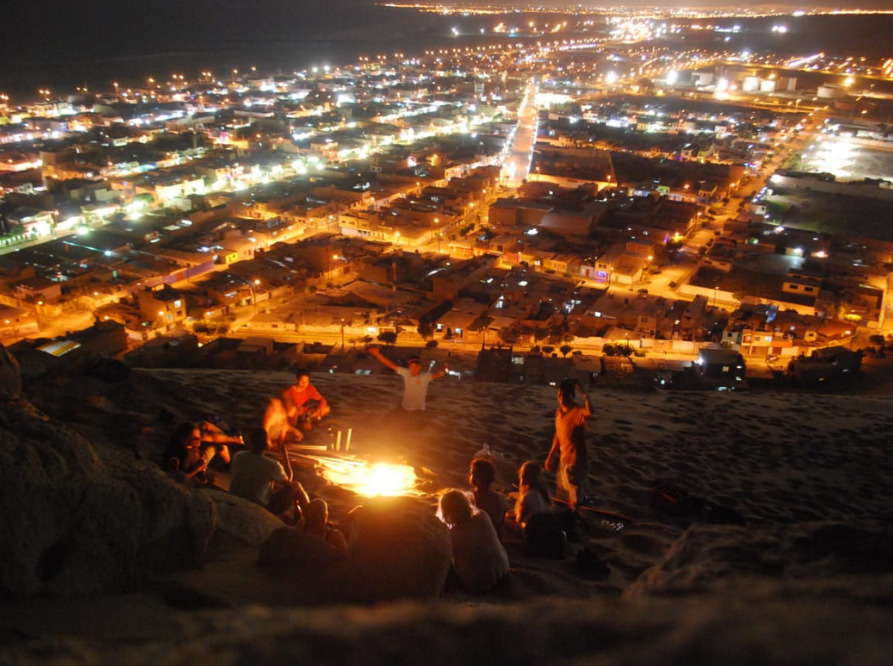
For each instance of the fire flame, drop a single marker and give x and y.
(378, 479)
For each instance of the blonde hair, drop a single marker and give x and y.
(455, 507)
(532, 471)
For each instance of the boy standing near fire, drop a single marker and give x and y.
(569, 443)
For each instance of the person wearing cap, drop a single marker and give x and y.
(415, 382)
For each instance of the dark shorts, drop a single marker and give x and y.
(577, 474)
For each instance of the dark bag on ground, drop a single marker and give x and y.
(543, 538)
(672, 500)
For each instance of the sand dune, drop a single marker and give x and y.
(774, 458)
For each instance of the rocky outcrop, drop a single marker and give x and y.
(765, 628)
(71, 528)
(10, 377)
(240, 521)
(711, 558)
(312, 571)
(398, 550)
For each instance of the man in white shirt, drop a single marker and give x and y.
(415, 382)
(263, 480)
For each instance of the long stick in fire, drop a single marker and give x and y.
(288, 469)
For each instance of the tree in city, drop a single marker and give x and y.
(426, 328)
(880, 341)
(387, 337)
(565, 350)
(548, 350)
(509, 335)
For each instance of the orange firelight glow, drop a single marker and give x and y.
(375, 480)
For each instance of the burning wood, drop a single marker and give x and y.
(359, 476)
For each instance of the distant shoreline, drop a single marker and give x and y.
(317, 34)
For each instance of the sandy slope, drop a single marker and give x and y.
(783, 461)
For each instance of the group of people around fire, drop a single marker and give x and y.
(479, 521)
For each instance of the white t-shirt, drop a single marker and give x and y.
(415, 389)
(252, 475)
(479, 559)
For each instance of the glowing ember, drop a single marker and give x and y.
(369, 480)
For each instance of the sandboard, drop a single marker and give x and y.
(613, 521)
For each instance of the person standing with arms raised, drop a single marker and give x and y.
(415, 382)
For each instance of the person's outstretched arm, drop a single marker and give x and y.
(587, 410)
(550, 457)
(385, 361)
(443, 371)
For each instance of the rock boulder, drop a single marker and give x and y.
(397, 549)
(711, 558)
(71, 527)
(10, 377)
(240, 521)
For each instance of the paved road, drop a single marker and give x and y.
(518, 162)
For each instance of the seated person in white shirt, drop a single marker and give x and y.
(263, 480)
(479, 560)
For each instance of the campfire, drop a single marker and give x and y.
(369, 480)
(334, 463)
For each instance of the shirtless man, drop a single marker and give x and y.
(415, 382)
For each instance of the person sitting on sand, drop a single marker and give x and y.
(569, 442)
(535, 516)
(187, 455)
(316, 523)
(214, 434)
(533, 493)
(264, 481)
(481, 476)
(479, 560)
(295, 410)
(415, 382)
(277, 424)
(305, 405)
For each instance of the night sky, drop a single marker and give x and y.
(62, 43)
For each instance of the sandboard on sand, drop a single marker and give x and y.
(606, 514)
